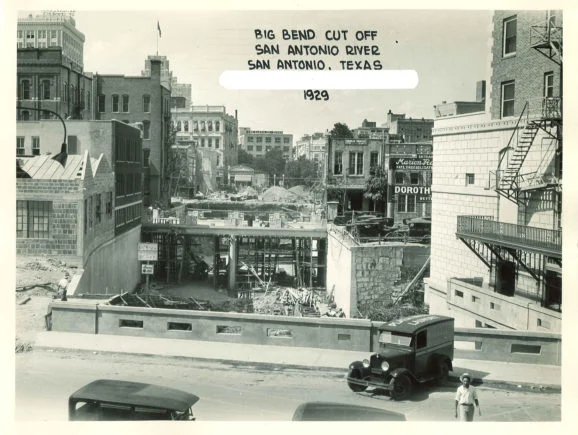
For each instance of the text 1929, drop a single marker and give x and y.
(310, 94)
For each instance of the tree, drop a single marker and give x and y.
(244, 158)
(376, 187)
(301, 172)
(341, 130)
(272, 163)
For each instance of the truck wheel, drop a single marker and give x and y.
(401, 387)
(443, 372)
(355, 387)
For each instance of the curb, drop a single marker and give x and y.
(476, 381)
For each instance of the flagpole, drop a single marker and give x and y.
(157, 37)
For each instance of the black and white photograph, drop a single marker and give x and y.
(289, 213)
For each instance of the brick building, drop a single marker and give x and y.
(120, 143)
(409, 129)
(46, 79)
(496, 255)
(259, 142)
(146, 102)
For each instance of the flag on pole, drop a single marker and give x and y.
(159, 27)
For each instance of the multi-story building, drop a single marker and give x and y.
(166, 73)
(212, 130)
(53, 29)
(313, 147)
(496, 248)
(120, 143)
(46, 79)
(259, 142)
(407, 166)
(180, 95)
(144, 101)
(409, 129)
(65, 210)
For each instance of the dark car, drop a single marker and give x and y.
(412, 350)
(329, 411)
(107, 399)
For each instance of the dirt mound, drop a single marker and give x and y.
(279, 194)
(301, 191)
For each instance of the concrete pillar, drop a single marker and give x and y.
(216, 260)
(322, 262)
(232, 265)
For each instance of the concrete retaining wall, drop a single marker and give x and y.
(325, 333)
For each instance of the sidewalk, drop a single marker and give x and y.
(527, 376)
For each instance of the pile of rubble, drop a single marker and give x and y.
(287, 301)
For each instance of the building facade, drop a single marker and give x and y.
(120, 143)
(313, 147)
(52, 29)
(146, 102)
(259, 142)
(212, 131)
(496, 255)
(409, 129)
(45, 79)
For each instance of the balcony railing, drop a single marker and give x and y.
(529, 180)
(548, 242)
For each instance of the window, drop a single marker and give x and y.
(101, 104)
(20, 146)
(249, 147)
(508, 94)
(179, 126)
(285, 140)
(470, 179)
(210, 125)
(186, 124)
(259, 140)
(25, 89)
(35, 145)
(196, 126)
(97, 211)
(45, 89)
(146, 134)
(202, 125)
(414, 178)
(338, 163)
(277, 140)
(355, 163)
(217, 126)
(146, 153)
(203, 142)
(217, 142)
(267, 139)
(549, 84)
(115, 101)
(399, 178)
(373, 161)
(108, 205)
(421, 339)
(33, 219)
(250, 139)
(125, 103)
(406, 203)
(146, 103)
(209, 142)
(259, 148)
(509, 36)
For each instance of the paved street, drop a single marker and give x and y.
(231, 392)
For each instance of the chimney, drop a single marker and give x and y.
(235, 113)
(481, 91)
(156, 69)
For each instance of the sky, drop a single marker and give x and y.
(448, 50)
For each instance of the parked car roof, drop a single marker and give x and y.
(135, 393)
(412, 323)
(329, 411)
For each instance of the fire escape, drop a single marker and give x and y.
(507, 245)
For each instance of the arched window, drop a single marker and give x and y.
(178, 125)
(202, 125)
(196, 125)
(217, 126)
(186, 125)
(210, 125)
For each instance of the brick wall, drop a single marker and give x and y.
(526, 67)
(66, 195)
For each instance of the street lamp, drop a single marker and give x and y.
(62, 155)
